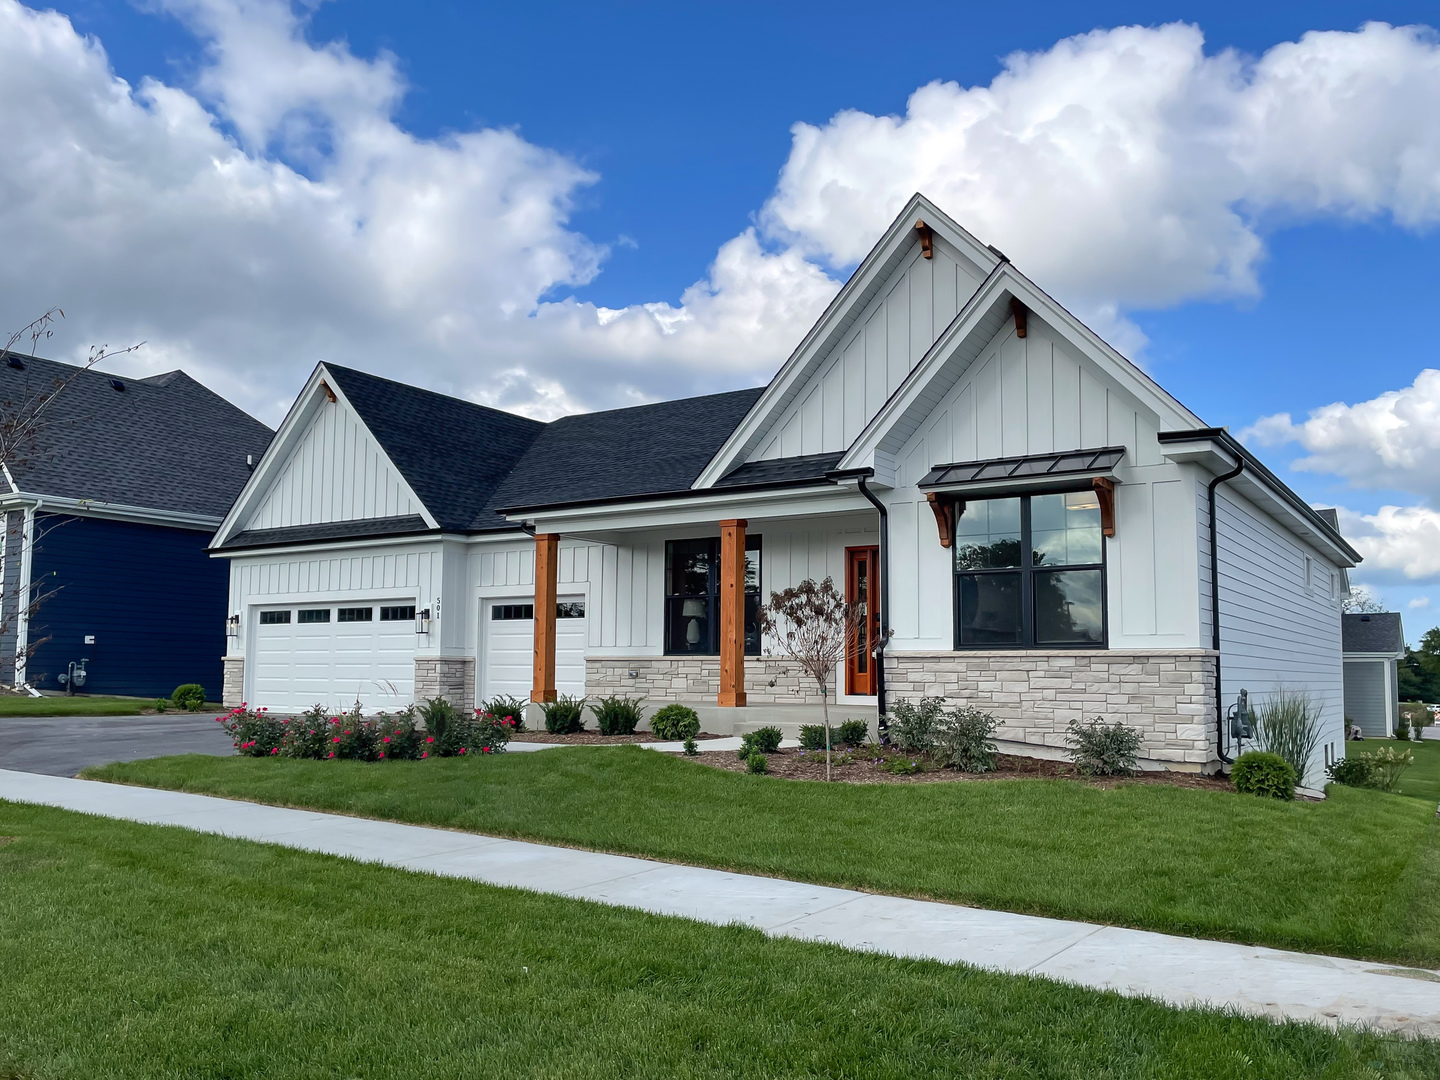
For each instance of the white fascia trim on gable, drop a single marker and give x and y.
(973, 328)
(702, 509)
(308, 402)
(1371, 657)
(839, 315)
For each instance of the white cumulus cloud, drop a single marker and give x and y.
(1398, 542)
(271, 211)
(1390, 442)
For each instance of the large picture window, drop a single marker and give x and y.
(692, 596)
(1030, 573)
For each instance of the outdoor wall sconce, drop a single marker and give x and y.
(422, 621)
(232, 626)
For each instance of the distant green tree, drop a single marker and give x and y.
(1420, 670)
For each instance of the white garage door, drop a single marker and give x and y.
(507, 644)
(334, 655)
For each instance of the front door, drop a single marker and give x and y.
(862, 589)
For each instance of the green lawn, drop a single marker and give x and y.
(1355, 874)
(80, 705)
(134, 951)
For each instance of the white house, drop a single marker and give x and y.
(1374, 645)
(1025, 513)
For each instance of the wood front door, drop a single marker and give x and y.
(862, 588)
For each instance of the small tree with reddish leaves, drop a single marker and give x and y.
(815, 626)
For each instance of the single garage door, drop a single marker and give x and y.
(507, 644)
(334, 655)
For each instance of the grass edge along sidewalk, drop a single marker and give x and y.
(1349, 876)
(144, 951)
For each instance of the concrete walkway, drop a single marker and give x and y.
(1181, 971)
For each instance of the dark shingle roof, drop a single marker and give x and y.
(163, 443)
(354, 529)
(624, 453)
(453, 453)
(1379, 632)
(777, 471)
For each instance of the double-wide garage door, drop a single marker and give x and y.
(334, 656)
(507, 647)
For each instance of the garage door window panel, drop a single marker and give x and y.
(356, 614)
(314, 615)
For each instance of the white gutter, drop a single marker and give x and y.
(114, 511)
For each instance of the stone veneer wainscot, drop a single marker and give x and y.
(450, 677)
(768, 680)
(1169, 695)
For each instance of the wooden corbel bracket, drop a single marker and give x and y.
(1105, 492)
(945, 508)
(927, 239)
(329, 394)
(1021, 313)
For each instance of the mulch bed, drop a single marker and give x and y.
(594, 738)
(861, 768)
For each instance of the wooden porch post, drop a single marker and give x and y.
(732, 612)
(547, 546)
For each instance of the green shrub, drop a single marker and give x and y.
(565, 715)
(308, 735)
(962, 740)
(1386, 767)
(617, 715)
(1262, 773)
(161, 704)
(901, 766)
(911, 726)
(1100, 749)
(1288, 724)
(756, 762)
(505, 707)
(254, 733)
(1402, 728)
(691, 750)
(765, 740)
(398, 736)
(353, 737)
(675, 722)
(812, 737)
(1352, 771)
(189, 696)
(853, 733)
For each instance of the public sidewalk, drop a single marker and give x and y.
(1181, 971)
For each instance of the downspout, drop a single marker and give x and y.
(884, 602)
(1215, 605)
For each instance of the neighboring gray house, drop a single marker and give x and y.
(1373, 645)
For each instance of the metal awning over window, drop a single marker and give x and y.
(947, 487)
(1008, 472)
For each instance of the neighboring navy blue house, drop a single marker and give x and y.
(108, 515)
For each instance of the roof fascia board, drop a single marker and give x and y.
(292, 429)
(758, 505)
(112, 511)
(1216, 451)
(304, 547)
(1005, 281)
(892, 246)
(1373, 656)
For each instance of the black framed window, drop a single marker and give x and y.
(505, 612)
(692, 595)
(357, 614)
(314, 615)
(398, 613)
(272, 618)
(570, 609)
(1030, 573)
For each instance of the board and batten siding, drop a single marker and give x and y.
(885, 343)
(625, 583)
(336, 472)
(1033, 395)
(1278, 630)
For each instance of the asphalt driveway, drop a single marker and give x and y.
(63, 745)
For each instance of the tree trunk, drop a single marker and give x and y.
(825, 713)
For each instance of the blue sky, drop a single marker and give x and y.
(680, 119)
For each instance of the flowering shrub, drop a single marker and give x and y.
(403, 736)
(254, 733)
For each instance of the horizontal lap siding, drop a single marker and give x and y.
(151, 596)
(1274, 630)
(1365, 697)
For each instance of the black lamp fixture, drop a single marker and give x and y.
(422, 620)
(232, 626)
